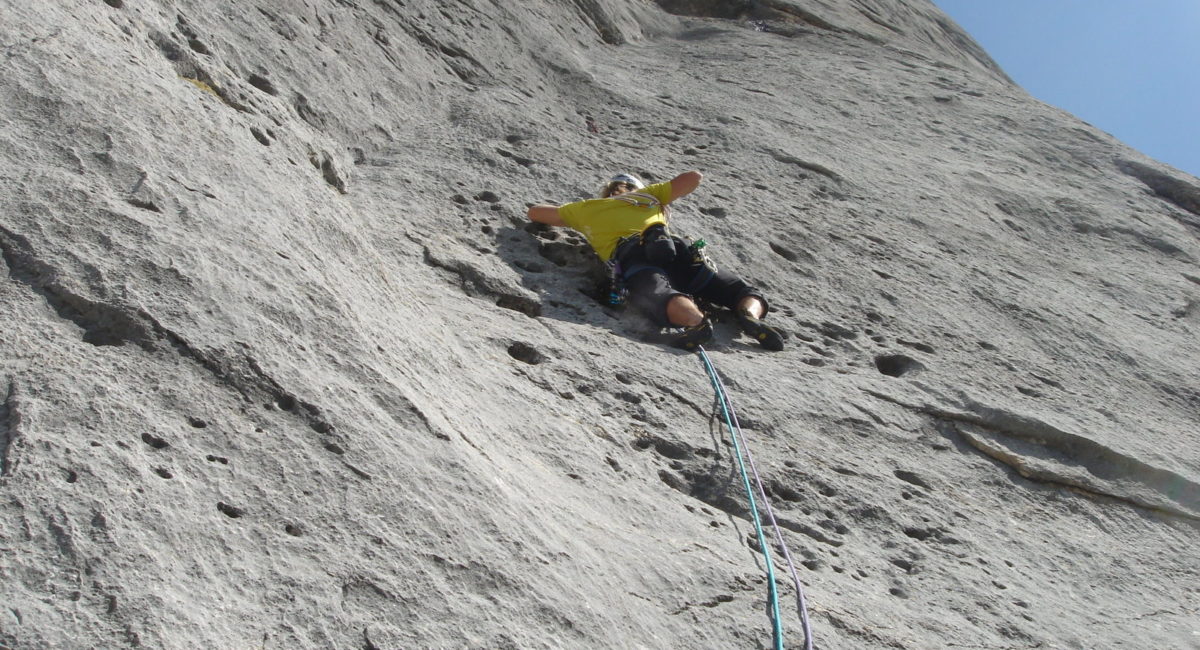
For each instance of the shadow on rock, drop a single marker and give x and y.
(569, 280)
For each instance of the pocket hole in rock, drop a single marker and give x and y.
(197, 46)
(154, 441)
(233, 512)
(262, 83)
(897, 365)
(260, 136)
(525, 352)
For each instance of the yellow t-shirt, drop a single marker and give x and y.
(604, 222)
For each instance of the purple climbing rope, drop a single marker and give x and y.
(801, 602)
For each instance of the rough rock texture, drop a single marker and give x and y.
(285, 366)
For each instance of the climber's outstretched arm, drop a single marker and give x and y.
(684, 184)
(547, 214)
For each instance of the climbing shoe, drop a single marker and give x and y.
(689, 338)
(767, 336)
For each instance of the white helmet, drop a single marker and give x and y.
(628, 179)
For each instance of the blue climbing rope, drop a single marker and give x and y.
(740, 446)
(772, 591)
(801, 604)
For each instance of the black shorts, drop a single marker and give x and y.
(652, 287)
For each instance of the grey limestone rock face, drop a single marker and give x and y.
(283, 364)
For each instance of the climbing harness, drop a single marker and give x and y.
(739, 445)
(629, 260)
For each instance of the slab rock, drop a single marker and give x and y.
(283, 364)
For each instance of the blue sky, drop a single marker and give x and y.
(1128, 67)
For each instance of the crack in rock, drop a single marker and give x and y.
(1041, 452)
(106, 324)
(788, 158)
(102, 323)
(600, 20)
(1177, 191)
(718, 600)
(10, 420)
(466, 67)
(476, 281)
(757, 12)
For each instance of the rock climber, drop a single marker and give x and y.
(627, 226)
